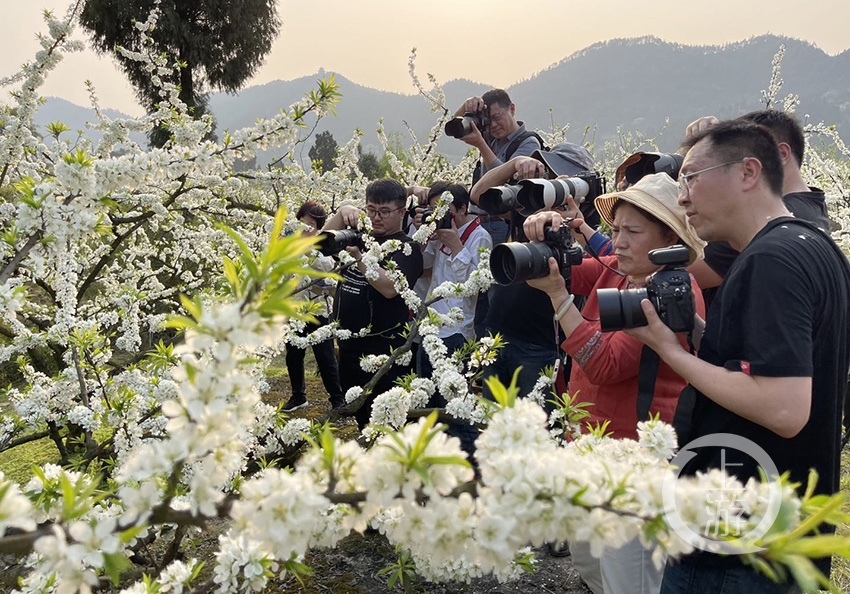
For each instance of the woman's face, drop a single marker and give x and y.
(633, 237)
(311, 222)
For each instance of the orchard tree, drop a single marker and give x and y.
(368, 164)
(219, 44)
(323, 153)
(100, 249)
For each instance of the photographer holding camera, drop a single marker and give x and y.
(489, 124)
(451, 256)
(775, 348)
(606, 368)
(521, 314)
(363, 301)
(493, 130)
(313, 216)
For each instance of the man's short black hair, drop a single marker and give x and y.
(784, 127)
(496, 97)
(386, 191)
(460, 197)
(736, 140)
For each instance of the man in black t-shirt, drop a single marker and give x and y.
(804, 202)
(774, 350)
(363, 300)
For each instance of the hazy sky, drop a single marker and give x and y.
(497, 42)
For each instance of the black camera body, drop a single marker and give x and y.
(461, 126)
(512, 263)
(669, 291)
(332, 242)
(445, 222)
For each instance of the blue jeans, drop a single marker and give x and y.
(531, 357)
(498, 230)
(683, 578)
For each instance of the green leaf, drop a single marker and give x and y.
(446, 460)
(114, 564)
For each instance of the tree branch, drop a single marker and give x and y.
(19, 256)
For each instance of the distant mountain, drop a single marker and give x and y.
(76, 117)
(633, 83)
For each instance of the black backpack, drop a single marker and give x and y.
(512, 147)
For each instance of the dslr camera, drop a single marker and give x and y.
(669, 291)
(332, 242)
(512, 263)
(445, 222)
(461, 126)
(532, 195)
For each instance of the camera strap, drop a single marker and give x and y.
(649, 362)
(647, 374)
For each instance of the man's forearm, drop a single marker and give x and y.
(488, 156)
(494, 177)
(780, 404)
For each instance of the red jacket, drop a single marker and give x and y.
(605, 365)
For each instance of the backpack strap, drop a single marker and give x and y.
(509, 152)
(514, 145)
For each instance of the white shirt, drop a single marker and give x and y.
(456, 269)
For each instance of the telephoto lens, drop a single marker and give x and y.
(499, 200)
(537, 194)
(512, 263)
(332, 242)
(459, 127)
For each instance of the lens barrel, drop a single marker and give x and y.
(536, 194)
(512, 263)
(499, 200)
(459, 127)
(620, 309)
(332, 242)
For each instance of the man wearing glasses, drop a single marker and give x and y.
(804, 202)
(502, 140)
(775, 347)
(366, 299)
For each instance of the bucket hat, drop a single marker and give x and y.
(658, 195)
(565, 158)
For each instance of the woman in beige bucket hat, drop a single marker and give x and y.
(605, 366)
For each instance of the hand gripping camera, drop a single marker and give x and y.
(461, 126)
(669, 291)
(512, 263)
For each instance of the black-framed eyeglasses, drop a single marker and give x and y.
(381, 213)
(685, 179)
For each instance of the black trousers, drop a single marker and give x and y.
(350, 375)
(326, 361)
